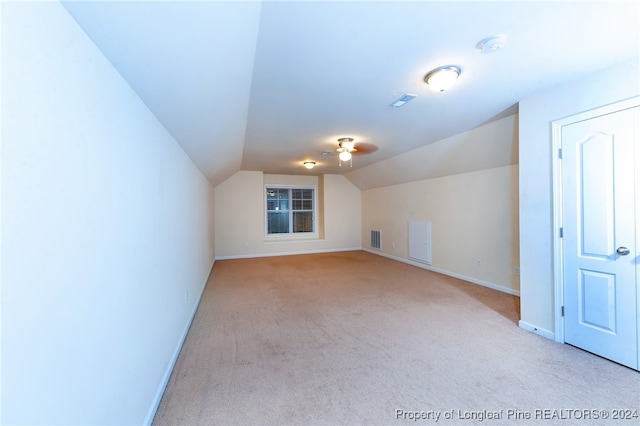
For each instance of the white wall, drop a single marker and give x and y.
(104, 232)
(239, 212)
(536, 233)
(474, 217)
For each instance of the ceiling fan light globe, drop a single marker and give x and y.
(345, 156)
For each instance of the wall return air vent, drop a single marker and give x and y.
(376, 239)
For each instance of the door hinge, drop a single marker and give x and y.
(560, 153)
(562, 311)
(561, 232)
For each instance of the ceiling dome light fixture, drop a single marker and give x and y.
(345, 148)
(309, 164)
(441, 78)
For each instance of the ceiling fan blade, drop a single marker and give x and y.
(365, 148)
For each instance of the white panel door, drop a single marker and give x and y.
(599, 242)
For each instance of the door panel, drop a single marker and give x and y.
(598, 217)
(596, 195)
(598, 302)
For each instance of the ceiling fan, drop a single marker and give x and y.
(345, 149)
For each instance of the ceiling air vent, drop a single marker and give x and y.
(403, 100)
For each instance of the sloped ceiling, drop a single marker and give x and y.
(191, 62)
(267, 85)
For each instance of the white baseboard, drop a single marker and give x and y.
(445, 272)
(536, 330)
(288, 253)
(167, 374)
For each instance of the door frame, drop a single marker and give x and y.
(557, 197)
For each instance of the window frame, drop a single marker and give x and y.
(292, 235)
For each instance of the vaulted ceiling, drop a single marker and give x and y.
(266, 85)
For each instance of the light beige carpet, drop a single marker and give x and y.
(351, 338)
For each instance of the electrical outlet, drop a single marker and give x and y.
(246, 244)
(186, 296)
(479, 264)
(393, 245)
(516, 271)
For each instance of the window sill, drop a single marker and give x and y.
(289, 239)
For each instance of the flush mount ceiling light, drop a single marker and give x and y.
(345, 148)
(441, 78)
(309, 164)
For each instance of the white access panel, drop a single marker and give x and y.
(420, 241)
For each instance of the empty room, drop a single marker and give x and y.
(319, 212)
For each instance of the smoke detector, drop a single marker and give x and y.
(492, 44)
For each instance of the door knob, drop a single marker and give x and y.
(623, 251)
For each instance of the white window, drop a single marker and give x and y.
(290, 210)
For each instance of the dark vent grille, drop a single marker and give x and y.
(376, 241)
